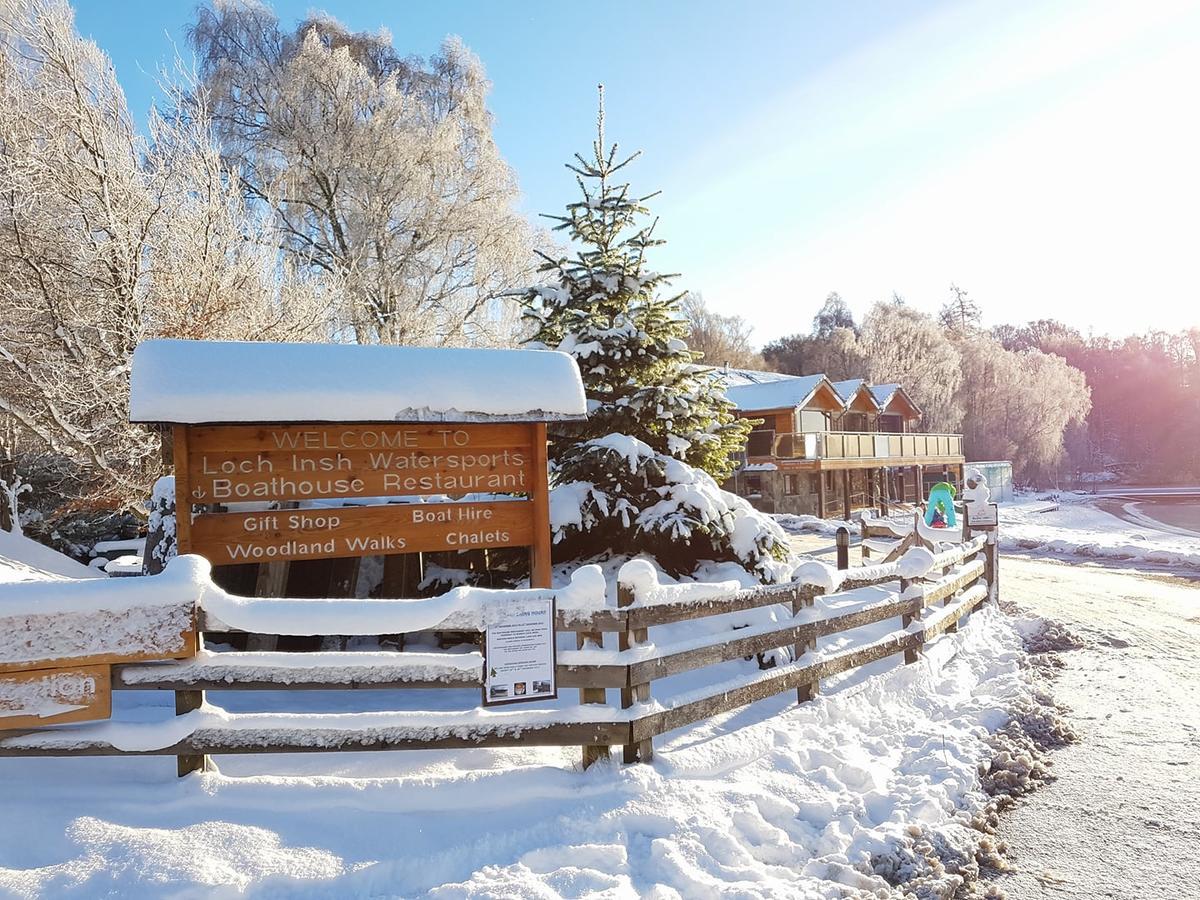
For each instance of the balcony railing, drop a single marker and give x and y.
(852, 445)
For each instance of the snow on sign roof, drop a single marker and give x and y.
(193, 382)
(786, 392)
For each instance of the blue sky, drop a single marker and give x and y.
(1042, 155)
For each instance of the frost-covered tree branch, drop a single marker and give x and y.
(381, 171)
(108, 237)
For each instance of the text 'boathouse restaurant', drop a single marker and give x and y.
(308, 453)
(826, 448)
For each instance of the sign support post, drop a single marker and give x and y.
(539, 553)
(183, 490)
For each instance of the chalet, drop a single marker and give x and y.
(828, 448)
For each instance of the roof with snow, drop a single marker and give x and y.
(193, 382)
(846, 389)
(789, 391)
(856, 395)
(883, 393)
(738, 377)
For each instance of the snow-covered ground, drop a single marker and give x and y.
(22, 559)
(879, 773)
(1082, 526)
(775, 800)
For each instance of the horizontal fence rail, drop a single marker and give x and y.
(926, 593)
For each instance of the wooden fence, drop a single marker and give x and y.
(958, 581)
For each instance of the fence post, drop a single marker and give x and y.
(592, 695)
(911, 656)
(843, 548)
(185, 764)
(991, 567)
(802, 598)
(643, 750)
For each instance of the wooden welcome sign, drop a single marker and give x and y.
(219, 465)
(314, 451)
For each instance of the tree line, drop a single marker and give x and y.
(1064, 407)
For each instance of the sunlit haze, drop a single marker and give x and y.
(1040, 155)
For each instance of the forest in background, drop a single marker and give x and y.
(1067, 408)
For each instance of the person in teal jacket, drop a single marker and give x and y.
(939, 512)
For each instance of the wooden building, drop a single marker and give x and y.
(826, 449)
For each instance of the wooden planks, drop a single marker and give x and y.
(631, 671)
(539, 552)
(228, 463)
(376, 436)
(288, 534)
(230, 476)
(289, 739)
(40, 697)
(103, 638)
(218, 465)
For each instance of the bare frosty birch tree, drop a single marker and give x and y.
(902, 344)
(107, 238)
(381, 170)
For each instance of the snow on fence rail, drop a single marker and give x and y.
(822, 602)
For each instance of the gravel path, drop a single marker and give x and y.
(1123, 818)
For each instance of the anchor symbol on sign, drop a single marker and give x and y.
(198, 494)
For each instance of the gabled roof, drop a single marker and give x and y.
(889, 395)
(848, 387)
(884, 392)
(856, 395)
(792, 391)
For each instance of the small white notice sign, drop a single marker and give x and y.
(984, 515)
(519, 653)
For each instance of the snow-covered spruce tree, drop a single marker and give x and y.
(640, 475)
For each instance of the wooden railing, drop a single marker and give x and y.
(853, 445)
(959, 581)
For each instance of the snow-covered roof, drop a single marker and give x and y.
(791, 391)
(846, 389)
(738, 377)
(192, 382)
(851, 388)
(885, 393)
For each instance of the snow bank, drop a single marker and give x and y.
(1079, 528)
(779, 800)
(24, 559)
(210, 381)
(812, 525)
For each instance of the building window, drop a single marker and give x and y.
(791, 485)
